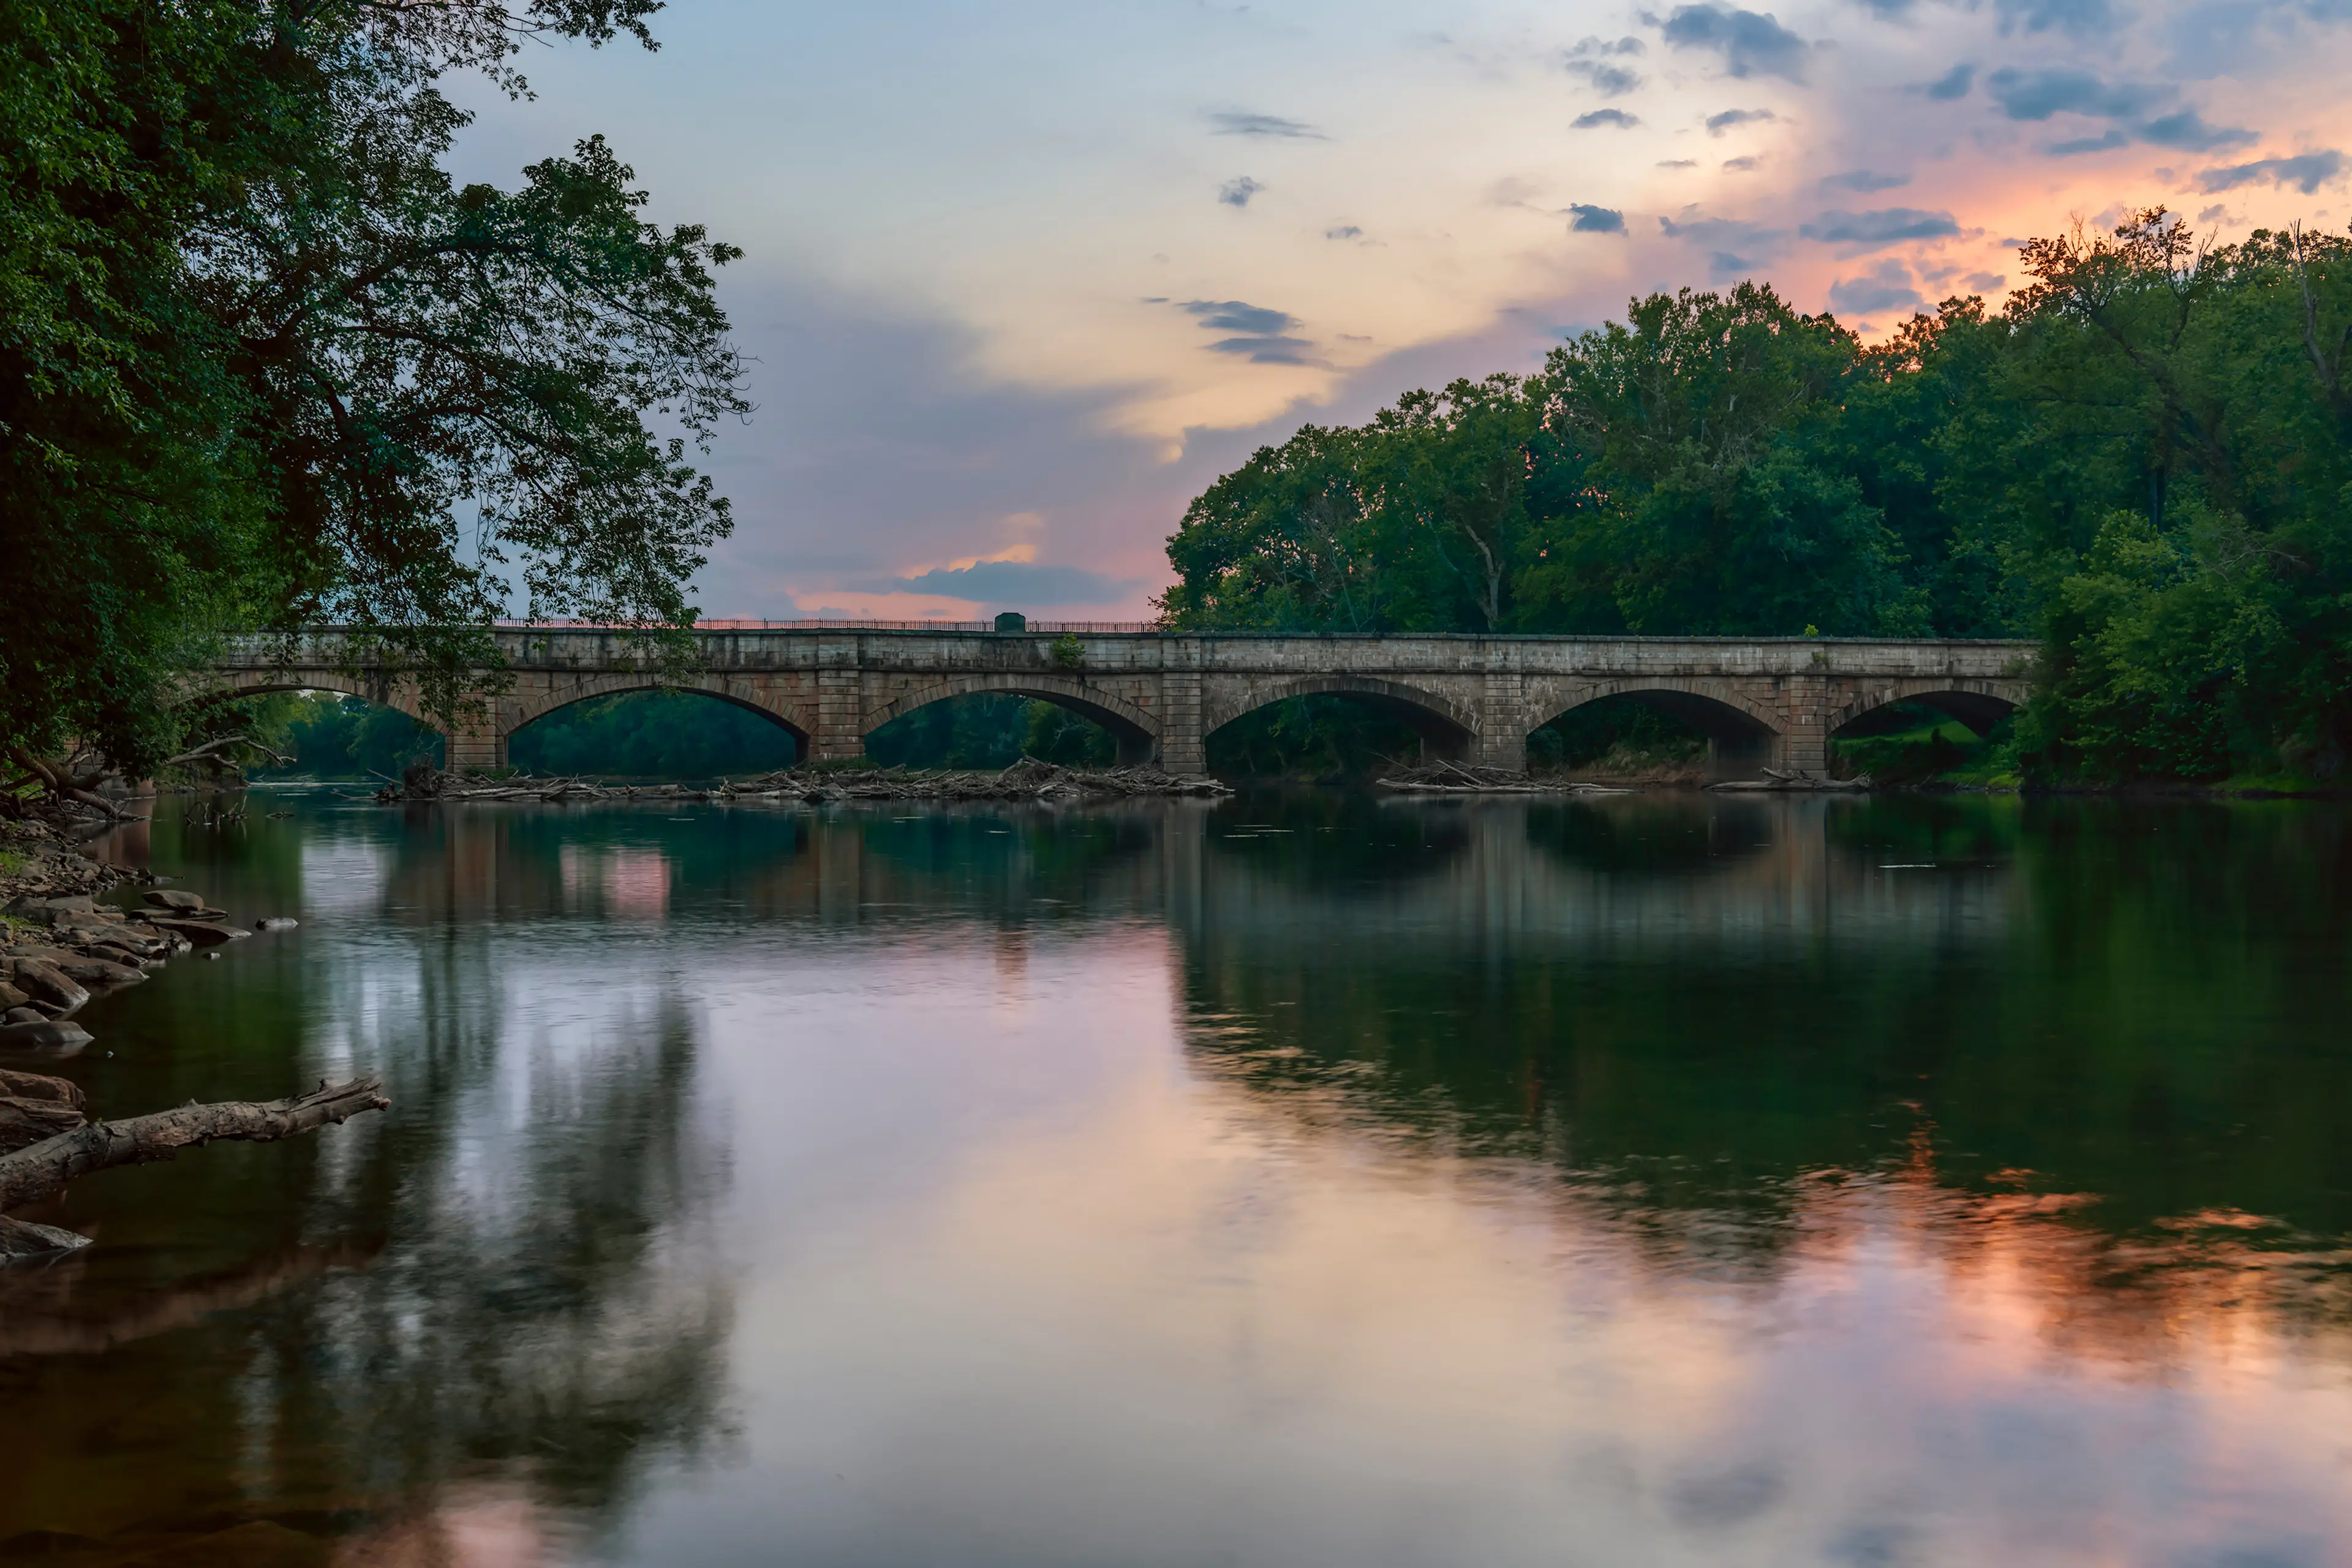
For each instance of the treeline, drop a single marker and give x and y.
(2144, 462)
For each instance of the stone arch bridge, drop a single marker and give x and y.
(1762, 701)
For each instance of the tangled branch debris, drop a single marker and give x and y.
(1027, 779)
(1442, 777)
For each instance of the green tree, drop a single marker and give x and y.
(264, 363)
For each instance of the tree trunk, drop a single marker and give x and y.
(42, 1170)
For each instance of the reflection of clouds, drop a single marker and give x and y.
(1036, 1288)
(343, 876)
(630, 881)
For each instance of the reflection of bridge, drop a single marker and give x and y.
(1759, 701)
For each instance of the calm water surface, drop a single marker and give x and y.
(1309, 1180)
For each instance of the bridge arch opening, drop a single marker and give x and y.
(1336, 725)
(995, 730)
(337, 733)
(994, 721)
(1919, 736)
(654, 732)
(1651, 729)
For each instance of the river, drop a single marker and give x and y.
(1301, 1180)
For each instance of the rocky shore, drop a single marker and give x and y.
(63, 946)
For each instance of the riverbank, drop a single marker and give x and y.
(63, 948)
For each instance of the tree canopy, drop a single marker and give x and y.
(2145, 460)
(263, 362)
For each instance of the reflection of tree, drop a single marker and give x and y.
(510, 1278)
(1688, 1011)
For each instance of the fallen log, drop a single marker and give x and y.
(42, 1170)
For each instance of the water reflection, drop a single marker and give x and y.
(1304, 1179)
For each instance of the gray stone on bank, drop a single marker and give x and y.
(20, 1239)
(23, 1015)
(48, 1038)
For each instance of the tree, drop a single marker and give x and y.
(264, 364)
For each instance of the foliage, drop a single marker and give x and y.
(333, 737)
(652, 734)
(1313, 736)
(264, 364)
(2144, 462)
(990, 730)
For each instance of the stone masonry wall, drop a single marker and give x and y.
(1762, 702)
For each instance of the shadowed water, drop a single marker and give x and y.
(1303, 1181)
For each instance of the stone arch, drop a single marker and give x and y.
(1134, 729)
(528, 707)
(1742, 734)
(1448, 728)
(1979, 704)
(399, 695)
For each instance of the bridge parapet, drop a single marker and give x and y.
(1762, 700)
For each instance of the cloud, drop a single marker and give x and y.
(1344, 231)
(1733, 245)
(1236, 192)
(1886, 287)
(1716, 124)
(1590, 45)
(2081, 18)
(2106, 140)
(1600, 117)
(2186, 130)
(1679, 164)
(1261, 331)
(1234, 122)
(2039, 94)
(1864, 182)
(1875, 229)
(1954, 83)
(1018, 581)
(1236, 316)
(1751, 43)
(1595, 220)
(1740, 165)
(1609, 81)
(2306, 172)
(1986, 283)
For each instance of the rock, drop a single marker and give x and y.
(20, 1239)
(50, 1037)
(22, 1015)
(46, 983)
(204, 933)
(173, 898)
(11, 998)
(34, 1106)
(277, 923)
(46, 911)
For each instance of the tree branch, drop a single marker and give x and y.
(43, 1170)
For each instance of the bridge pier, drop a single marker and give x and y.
(480, 747)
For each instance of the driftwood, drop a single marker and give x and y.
(1027, 779)
(43, 1170)
(1442, 777)
(1775, 781)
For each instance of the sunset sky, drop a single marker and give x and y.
(1024, 278)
